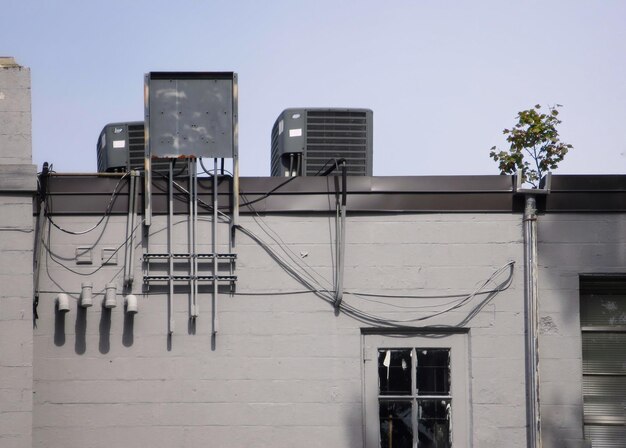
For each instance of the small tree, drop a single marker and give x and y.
(535, 146)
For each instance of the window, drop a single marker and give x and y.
(415, 388)
(603, 327)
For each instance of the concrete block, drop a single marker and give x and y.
(14, 308)
(485, 436)
(499, 415)
(15, 123)
(16, 377)
(497, 346)
(16, 400)
(14, 99)
(16, 424)
(15, 78)
(551, 369)
(72, 436)
(19, 283)
(553, 346)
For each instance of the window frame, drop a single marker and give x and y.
(456, 342)
(592, 289)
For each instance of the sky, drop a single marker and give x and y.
(444, 78)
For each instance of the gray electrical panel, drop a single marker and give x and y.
(305, 140)
(191, 114)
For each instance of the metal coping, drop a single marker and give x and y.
(90, 194)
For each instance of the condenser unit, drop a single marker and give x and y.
(307, 140)
(121, 148)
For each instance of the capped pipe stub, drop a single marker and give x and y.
(110, 300)
(86, 294)
(131, 302)
(63, 302)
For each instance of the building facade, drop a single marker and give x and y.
(408, 322)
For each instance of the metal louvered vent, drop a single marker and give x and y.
(306, 141)
(335, 135)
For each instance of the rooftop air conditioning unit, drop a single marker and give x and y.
(121, 148)
(305, 141)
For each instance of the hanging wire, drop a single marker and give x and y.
(363, 316)
(107, 212)
(52, 256)
(298, 261)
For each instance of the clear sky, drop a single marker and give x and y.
(442, 77)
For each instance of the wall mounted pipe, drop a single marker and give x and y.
(214, 245)
(532, 335)
(86, 294)
(110, 293)
(63, 302)
(130, 229)
(170, 248)
(131, 303)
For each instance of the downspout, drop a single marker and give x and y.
(532, 336)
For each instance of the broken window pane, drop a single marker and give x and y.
(433, 371)
(433, 423)
(394, 371)
(396, 424)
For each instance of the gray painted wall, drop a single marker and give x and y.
(284, 370)
(17, 183)
(569, 245)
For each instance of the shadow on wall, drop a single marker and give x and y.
(104, 344)
(59, 326)
(80, 330)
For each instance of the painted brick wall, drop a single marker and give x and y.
(569, 245)
(284, 369)
(17, 182)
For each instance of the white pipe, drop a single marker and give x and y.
(110, 300)
(132, 305)
(63, 302)
(86, 295)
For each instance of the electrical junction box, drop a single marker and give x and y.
(191, 114)
(306, 140)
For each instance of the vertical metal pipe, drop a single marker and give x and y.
(214, 244)
(191, 243)
(130, 225)
(170, 225)
(194, 203)
(342, 240)
(532, 338)
(135, 182)
(147, 189)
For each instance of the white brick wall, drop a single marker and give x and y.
(16, 261)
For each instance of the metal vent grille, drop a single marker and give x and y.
(136, 150)
(334, 135)
(275, 163)
(136, 146)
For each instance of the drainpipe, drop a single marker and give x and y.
(532, 336)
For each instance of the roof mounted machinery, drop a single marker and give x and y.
(304, 140)
(121, 148)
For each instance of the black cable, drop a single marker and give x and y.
(48, 210)
(266, 195)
